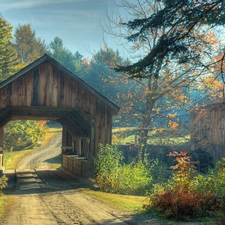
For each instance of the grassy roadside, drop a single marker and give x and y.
(125, 203)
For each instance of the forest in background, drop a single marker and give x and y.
(176, 65)
(156, 100)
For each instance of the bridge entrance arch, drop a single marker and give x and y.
(45, 90)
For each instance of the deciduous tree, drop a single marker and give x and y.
(173, 47)
(28, 46)
(23, 133)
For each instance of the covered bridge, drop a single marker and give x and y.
(45, 90)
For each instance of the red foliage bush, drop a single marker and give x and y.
(179, 198)
(182, 205)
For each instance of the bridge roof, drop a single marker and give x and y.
(47, 58)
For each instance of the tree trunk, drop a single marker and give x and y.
(144, 128)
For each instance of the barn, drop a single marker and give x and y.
(207, 129)
(45, 90)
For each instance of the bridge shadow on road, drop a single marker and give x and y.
(38, 181)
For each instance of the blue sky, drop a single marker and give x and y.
(76, 22)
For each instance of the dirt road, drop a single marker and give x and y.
(52, 197)
(38, 158)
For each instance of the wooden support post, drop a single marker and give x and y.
(1, 150)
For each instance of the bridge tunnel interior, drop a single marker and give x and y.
(76, 131)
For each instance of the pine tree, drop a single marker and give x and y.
(180, 21)
(72, 61)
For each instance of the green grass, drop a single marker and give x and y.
(11, 159)
(6, 202)
(125, 203)
(126, 135)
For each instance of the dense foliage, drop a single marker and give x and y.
(180, 21)
(23, 133)
(28, 46)
(187, 194)
(72, 61)
(114, 176)
(7, 52)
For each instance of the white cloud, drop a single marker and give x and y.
(26, 4)
(77, 22)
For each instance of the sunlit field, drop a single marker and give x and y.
(128, 135)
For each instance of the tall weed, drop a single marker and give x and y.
(115, 176)
(133, 179)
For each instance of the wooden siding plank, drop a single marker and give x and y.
(9, 94)
(55, 92)
(78, 100)
(62, 84)
(14, 93)
(36, 88)
(42, 91)
(67, 92)
(48, 84)
(23, 90)
(97, 133)
(74, 94)
(50, 91)
(93, 149)
(92, 103)
(100, 123)
(19, 98)
(86, 100)
(108, 126)
(64, 136)
(93, 142)
(29, 88)
(3, 92)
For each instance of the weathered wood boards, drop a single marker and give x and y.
(208, 124)
(207, 128)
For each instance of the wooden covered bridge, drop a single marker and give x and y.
(45, 90)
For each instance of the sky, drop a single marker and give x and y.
(76, 22)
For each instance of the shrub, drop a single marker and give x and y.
(159, 171)
(133, 179)
(187, 195)
(114, 176)
(3, 182)
(23, 133)
(107, 163)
